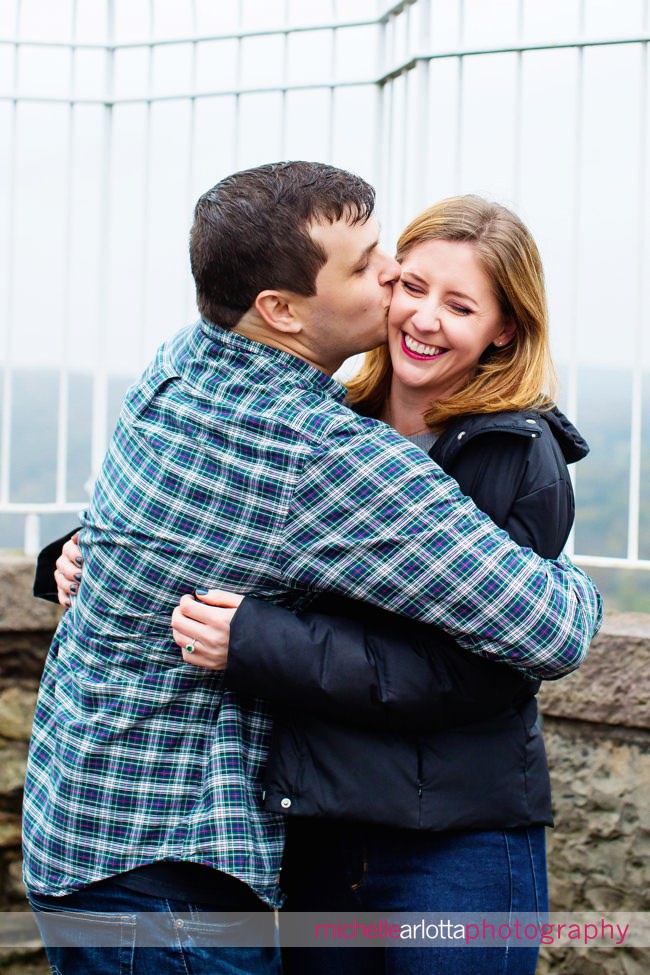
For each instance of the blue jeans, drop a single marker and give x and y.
(334, 868)
(97, 930)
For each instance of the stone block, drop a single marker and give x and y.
(19, 610)
(16, 890)
(13, 761)
(10, 830)
(613, 684)
(17, 712)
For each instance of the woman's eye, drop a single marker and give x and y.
(412, 289)
(461, 310)
(360, 270)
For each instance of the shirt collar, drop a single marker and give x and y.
(302, 371)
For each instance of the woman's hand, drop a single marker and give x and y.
(67, 574)
(203, 625)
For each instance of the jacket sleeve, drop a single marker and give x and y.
(382, 670)
(524, 486)
(44, 584)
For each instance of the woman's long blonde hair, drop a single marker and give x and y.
(517, 376)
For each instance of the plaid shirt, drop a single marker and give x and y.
(237, 466)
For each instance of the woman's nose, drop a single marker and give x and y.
(427, 318)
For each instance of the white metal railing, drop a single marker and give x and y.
(406, 51)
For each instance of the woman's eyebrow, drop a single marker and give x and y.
(464, 297)
(455, 294)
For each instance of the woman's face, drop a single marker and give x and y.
(442, 318)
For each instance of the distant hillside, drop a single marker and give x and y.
(601, 479)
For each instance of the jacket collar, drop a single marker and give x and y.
(527, 423)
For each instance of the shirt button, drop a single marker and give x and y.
(285, 803)
(461, 434)
(531, 421)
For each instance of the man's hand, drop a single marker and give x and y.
(203, 624)
(68, 571)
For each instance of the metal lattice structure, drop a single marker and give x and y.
(111, 125)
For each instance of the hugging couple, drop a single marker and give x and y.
(306, 623)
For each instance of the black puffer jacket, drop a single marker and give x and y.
(396, 725)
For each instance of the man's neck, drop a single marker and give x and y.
(253, 327)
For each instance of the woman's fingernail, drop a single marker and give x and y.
(68, 603)
(77, 576)
(79, 560)
(73, 587)
(201, 592)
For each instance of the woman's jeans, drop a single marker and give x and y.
(104, 924)
(332, 868)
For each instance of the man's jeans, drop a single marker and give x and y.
(101, 931)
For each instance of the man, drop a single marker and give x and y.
(235, 464)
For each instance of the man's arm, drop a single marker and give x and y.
(374, 519)
(374, 668)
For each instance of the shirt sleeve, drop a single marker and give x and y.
(375, 519)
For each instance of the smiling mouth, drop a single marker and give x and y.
(418, 350)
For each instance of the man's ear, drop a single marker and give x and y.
(278, 311)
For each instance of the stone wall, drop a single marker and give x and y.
(26, 626)
(597, 731)
(597, 728)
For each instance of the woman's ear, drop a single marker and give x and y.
(506, 335)
(277, 310)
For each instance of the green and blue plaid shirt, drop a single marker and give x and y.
(237, 466)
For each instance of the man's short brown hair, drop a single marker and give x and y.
(251, 232)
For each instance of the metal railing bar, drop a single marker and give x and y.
(190, 39)
(603, 562)
(64, 372)
(379, 131)
(7, 371)
(518, 113)
(572, 373)
(100, 375)
(284, 106)
(145, 242)
(634, 502)
(237, 135)
(522, 48)
(334, 24)
(41, 507)
(185, 96)
(189, 190)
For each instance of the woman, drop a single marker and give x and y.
(414, 776)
